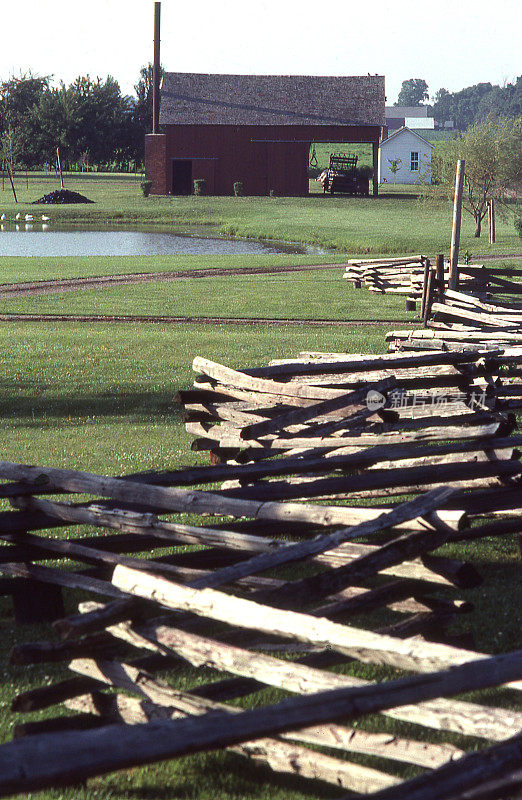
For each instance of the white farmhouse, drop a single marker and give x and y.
(410, 152)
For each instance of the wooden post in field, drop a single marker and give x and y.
(440, 275)
(58, 161)
(375, 164)
(455, 233)
(425, 285)
(429, 296)
(491, 221)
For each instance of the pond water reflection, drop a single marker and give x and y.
(27, 239)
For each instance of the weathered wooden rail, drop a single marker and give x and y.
(406, 275)
(126, 714)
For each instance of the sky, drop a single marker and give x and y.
(450, 43)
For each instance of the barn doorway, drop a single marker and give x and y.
(324, 150)
(181, 176)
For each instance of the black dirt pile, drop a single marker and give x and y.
(62, 197)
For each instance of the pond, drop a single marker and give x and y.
(37, 240)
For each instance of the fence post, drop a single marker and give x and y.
(426, 262)
(58, 161)
(491, 221)
(440, 274)
(429, 297)
(455, 231)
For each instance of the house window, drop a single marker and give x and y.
(414, 163)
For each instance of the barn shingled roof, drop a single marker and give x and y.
(199, 99)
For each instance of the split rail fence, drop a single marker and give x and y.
(406, 275)
(350, 469)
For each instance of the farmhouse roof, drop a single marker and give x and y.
(396, 112)
(199, 99)
(402, 130)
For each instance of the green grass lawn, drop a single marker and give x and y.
(99, 397)
(317, 294)
(395, 222)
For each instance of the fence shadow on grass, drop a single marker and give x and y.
(133, 405)
(227, 776)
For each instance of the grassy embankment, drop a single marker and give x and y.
(395, 222)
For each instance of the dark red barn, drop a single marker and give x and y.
(256, 129)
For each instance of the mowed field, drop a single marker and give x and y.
(395, 222)
(318, 294)
(99, 397)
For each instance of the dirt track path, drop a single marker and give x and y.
(30, 288)
(316, 323)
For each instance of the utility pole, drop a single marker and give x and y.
(156, 69)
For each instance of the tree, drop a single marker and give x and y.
(395, 165)
(413, 92)
(514, 98)
(442, 106)
(51, 123)
(492, 151)
(99, 119)
(8, 155)
(475, 103)
(18, 95)
(90, 120)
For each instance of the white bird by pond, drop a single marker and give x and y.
(28, 217)
(45, 219)
(18, 216)
(2, 217)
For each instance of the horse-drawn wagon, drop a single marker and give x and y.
(342, 176)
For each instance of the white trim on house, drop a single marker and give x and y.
(401, 130)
